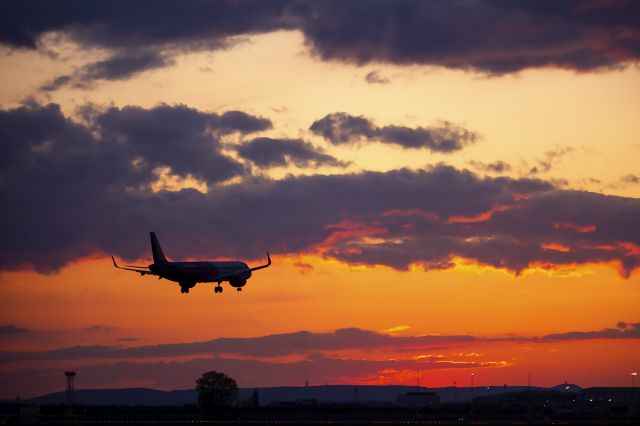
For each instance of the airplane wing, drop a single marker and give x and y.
(138, 269)
(226, 277)
(263, 266)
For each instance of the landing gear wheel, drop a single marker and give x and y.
(217, 289)
(239, 289)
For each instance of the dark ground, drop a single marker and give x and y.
(445, 414)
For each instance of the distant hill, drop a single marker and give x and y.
(129, 396)
(566, 387)
(339, 394)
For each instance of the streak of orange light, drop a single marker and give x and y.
(578, 228)
(482, 217)
(555, 247)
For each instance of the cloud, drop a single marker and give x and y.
(374, 77)
(12, 330)
(495, 167)
(262, 361)
(143, 37)
(238, 121)
(551, 158)
(178, 137)
(94, 179)
(302, 342)
(630, 179)
(342, 128)
(267, 152)
(513, 235)
(120, 66)
(493, 37)
(623, 331)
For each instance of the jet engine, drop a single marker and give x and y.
(238, 282)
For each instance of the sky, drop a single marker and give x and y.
(445, 188)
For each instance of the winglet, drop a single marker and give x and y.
(114, 262)
(263, 266)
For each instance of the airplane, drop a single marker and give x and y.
(188, 274)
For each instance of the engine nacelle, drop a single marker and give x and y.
(238, 282)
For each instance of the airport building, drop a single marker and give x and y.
(601, 400)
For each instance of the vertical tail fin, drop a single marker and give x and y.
(158, 255)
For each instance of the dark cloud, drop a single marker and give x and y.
(302, 342)
(374, 77)
(78, 172)
(238, 121)
(493, 37)
(94, 182)
(495, 167)
(178, 137)
(489, 36)
(549, 229)
(11, 330)
(150, 23)
(268, 152)
(144, 36)
(342, 128)
(57, 83)
(623, 331)
(120, 66)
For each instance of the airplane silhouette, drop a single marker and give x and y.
(188, 274)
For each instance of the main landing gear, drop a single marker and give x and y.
(184, 287)
(218, 288)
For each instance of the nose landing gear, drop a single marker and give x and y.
(218, 288)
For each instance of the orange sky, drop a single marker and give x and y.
(578, 129)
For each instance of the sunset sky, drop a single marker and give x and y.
(445, 188)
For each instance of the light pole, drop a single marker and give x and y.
(472, 374)
(633, 379)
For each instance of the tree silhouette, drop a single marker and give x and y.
(216, 390)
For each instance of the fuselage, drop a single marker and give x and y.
(188, 274)
(203, 272)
